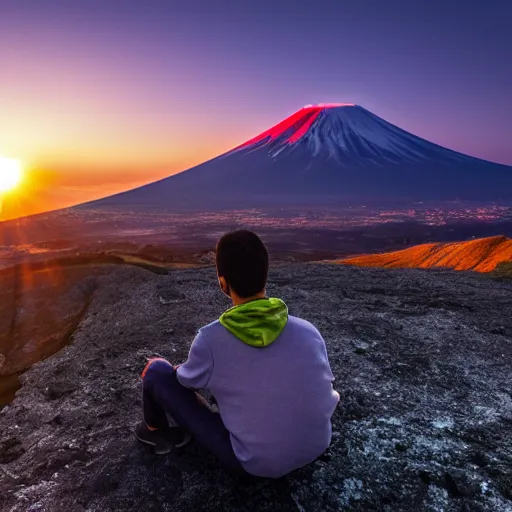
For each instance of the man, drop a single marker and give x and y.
(267, 370)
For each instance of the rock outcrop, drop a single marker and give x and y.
(422, 360)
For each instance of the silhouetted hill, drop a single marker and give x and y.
(482, 255)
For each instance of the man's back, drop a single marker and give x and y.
(276, 401)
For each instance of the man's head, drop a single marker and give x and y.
(242, 264)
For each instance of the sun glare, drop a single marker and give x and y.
(10, 174)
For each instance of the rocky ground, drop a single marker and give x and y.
(39, 311)
(422, 359)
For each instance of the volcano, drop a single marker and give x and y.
(326, 154)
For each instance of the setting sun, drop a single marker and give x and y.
(10, 174)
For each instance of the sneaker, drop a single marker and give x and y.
(173, 424)
(163, 440)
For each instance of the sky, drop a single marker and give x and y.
(99, 96)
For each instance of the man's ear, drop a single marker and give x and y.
(224, 286)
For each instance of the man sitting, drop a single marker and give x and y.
(267, 370)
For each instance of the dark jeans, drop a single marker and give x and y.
(162, 393)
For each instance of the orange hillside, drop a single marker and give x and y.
(481, 255)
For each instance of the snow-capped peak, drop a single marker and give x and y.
(348, 133)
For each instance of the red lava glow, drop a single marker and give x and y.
(298, 124)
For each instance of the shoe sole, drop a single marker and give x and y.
(149, 443)
(185, 441)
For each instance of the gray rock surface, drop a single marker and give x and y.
(423, 362)
(39, 310)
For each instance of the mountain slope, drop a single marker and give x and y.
(327, 153)
(482, 255)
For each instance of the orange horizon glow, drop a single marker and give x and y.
(73, 172)
(44, 190)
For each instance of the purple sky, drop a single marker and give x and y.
(156, 86)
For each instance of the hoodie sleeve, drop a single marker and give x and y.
(196, 371)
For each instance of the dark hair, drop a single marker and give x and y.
(242, 260)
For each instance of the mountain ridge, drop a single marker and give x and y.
(480, 255)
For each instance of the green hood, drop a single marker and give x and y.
(257, 323)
